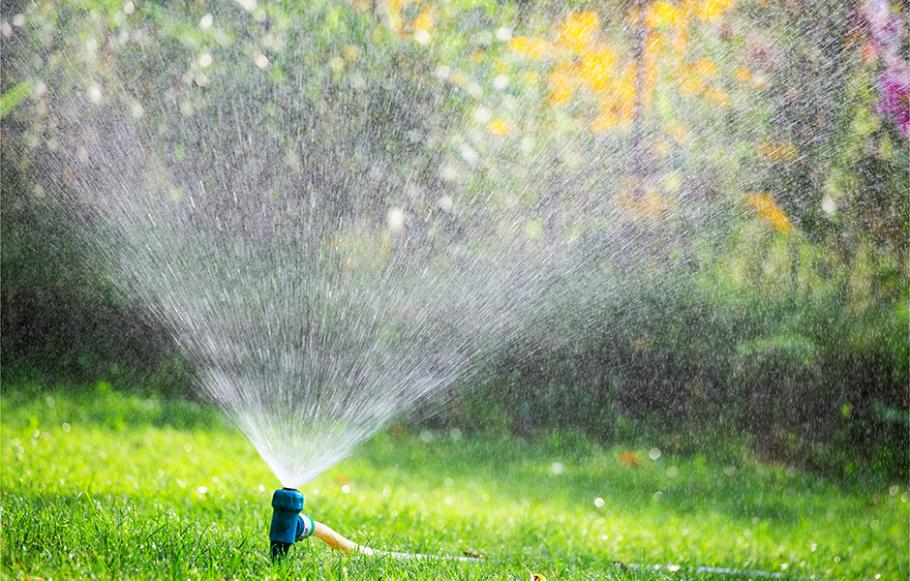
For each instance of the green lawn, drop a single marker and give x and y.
(114, 486)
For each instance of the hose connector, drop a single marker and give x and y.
(288, 525)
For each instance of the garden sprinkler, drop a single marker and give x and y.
(288, 525)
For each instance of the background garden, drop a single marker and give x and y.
(756, 152)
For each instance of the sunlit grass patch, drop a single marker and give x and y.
(102, 484)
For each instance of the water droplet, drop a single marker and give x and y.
(206, 22)
(205, 59)
(448, 173)
(346, 489)
(357, 80)
(599, 502)
(202, 490)
(468, 154)
(395, 219)
(65, 427)
(442, 72)
(94, 93)
(482, 114)
(654, 453)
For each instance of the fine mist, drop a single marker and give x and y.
(329, 238)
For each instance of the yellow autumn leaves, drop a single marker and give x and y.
(420, 27)
(777, 151)
(498, 127)
(676, 14)
(584, 61)
(763, 203)
(768, 210)
(583, 67)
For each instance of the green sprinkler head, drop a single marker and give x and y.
(288, 525)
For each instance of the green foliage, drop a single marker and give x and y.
(109, 485)
(13, 97)
(755, 345)
(741, 334)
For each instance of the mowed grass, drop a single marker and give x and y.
(115, 486)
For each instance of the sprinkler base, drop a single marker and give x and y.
(279, 549)
(288, 525)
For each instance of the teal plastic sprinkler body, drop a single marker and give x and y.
(288, 525)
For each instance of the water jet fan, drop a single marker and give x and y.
(328, 247)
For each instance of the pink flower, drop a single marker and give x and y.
(894, 86)
(887, 32)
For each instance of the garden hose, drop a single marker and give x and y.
(289, 526)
